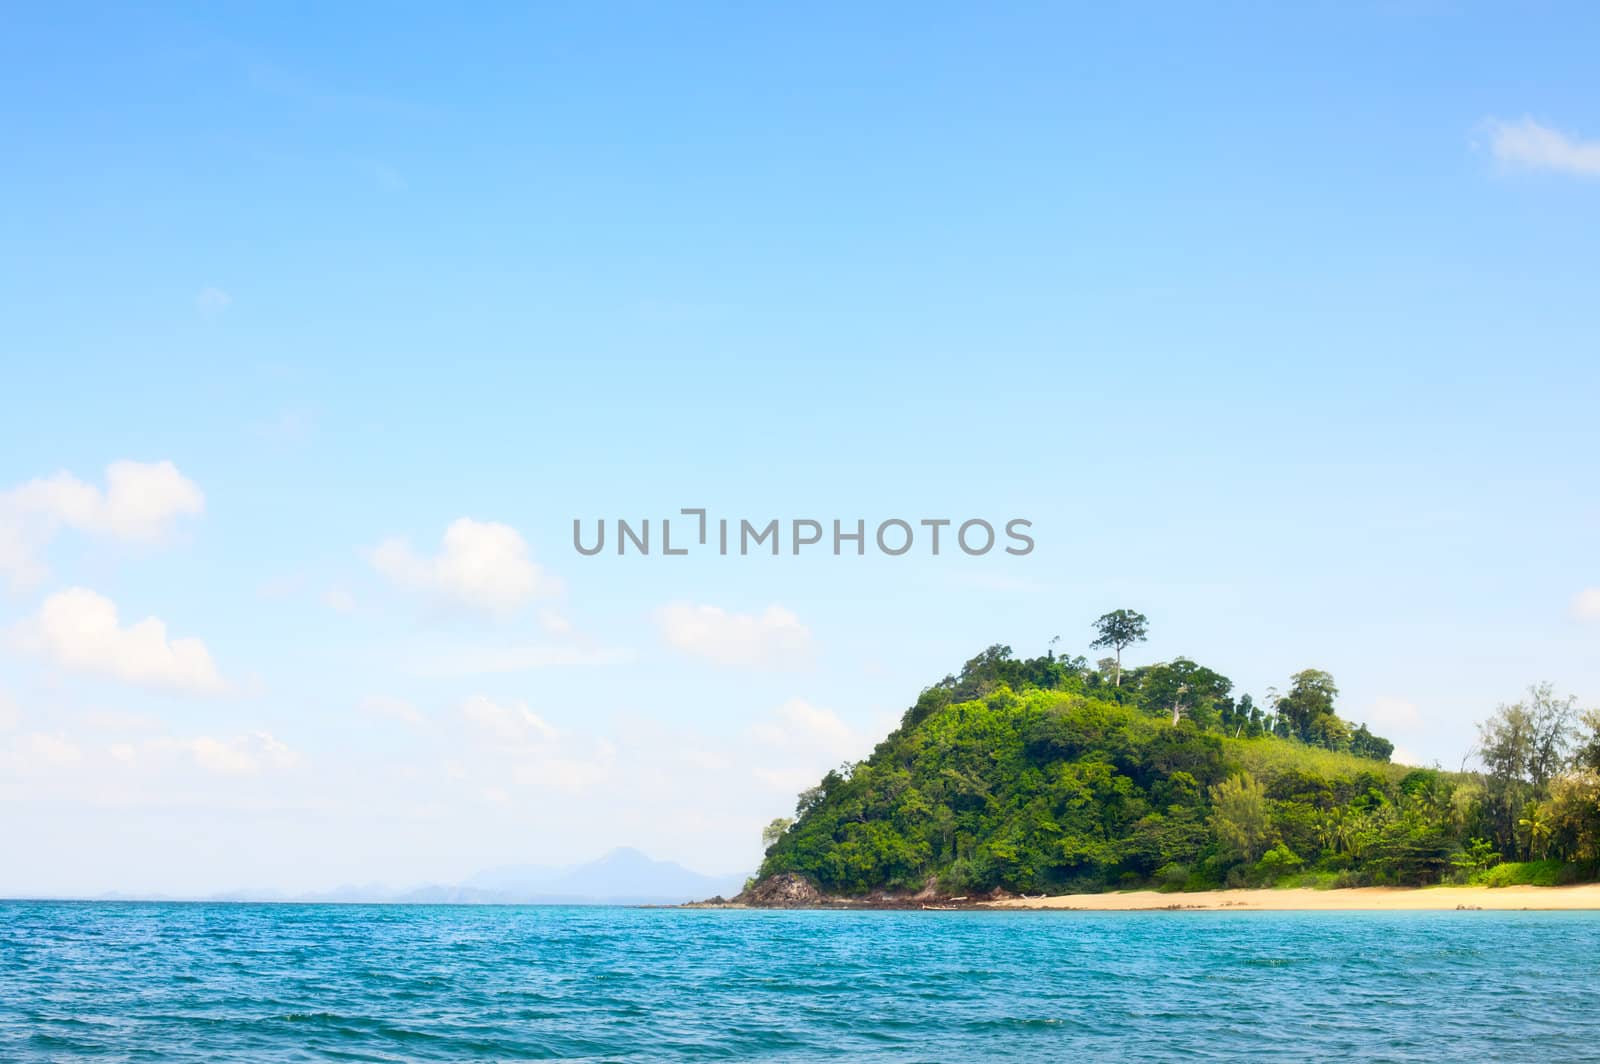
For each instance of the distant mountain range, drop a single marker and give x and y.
(624, 873)
(624, 876)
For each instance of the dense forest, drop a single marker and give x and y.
(1052, 774)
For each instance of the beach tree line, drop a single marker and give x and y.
(1540, 784)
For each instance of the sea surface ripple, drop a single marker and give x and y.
(204, 982)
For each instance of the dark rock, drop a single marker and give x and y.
(787, 890)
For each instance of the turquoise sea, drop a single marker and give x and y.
(202, 982)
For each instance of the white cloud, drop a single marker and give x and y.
(50, 750)
(19, 547)
(799, 725)
(214, 755)
(526, 751)
(1529, 145)
(244, 755)
(481, 564)
(704, 760)
(554, 623)
(117, 722)
(339, 600)
(1402, 756)
(789, 781)
(798, 742)
(775, 636)
(1586, 605)
(452, 798)
(95, 757)
(572, 772)
(511, 722)
(1391, 712)
(393, 708)
(79, 630)
(212, 301)
(140, 503)
(10, 714)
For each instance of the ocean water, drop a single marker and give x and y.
(198, 982)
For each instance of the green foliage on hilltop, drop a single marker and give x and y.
(1043, 775)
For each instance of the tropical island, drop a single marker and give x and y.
(1050, 781)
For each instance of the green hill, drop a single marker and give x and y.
(1048, 775)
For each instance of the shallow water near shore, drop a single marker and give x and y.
(201, 982)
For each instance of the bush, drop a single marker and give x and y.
(1275, 864)
(1530, 874)
(1326, 879)
(957, 878)
(1172, 877)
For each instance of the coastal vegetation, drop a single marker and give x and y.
(1049, 774)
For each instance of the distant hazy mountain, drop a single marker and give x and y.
(628, 873)
(622, 877)
(513, 877)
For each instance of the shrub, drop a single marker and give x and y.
(1275, 864)
(957, 878)
(1530, 874)
(1172, 877)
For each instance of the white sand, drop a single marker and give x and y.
(1584, 896)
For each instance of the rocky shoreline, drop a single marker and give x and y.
(793, 891)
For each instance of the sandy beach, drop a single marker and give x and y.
(1584, 896)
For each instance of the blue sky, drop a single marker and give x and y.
(1278, 326)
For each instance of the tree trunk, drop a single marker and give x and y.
(1119, 667)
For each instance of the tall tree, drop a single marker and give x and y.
(1364, 744)
(1182, 688)
(1119, 629)
(1306, 712)
(1587, 754)
(1247, 716)
(1522, 747)
(774, 831)
(1553, 720)
(1239, 815)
